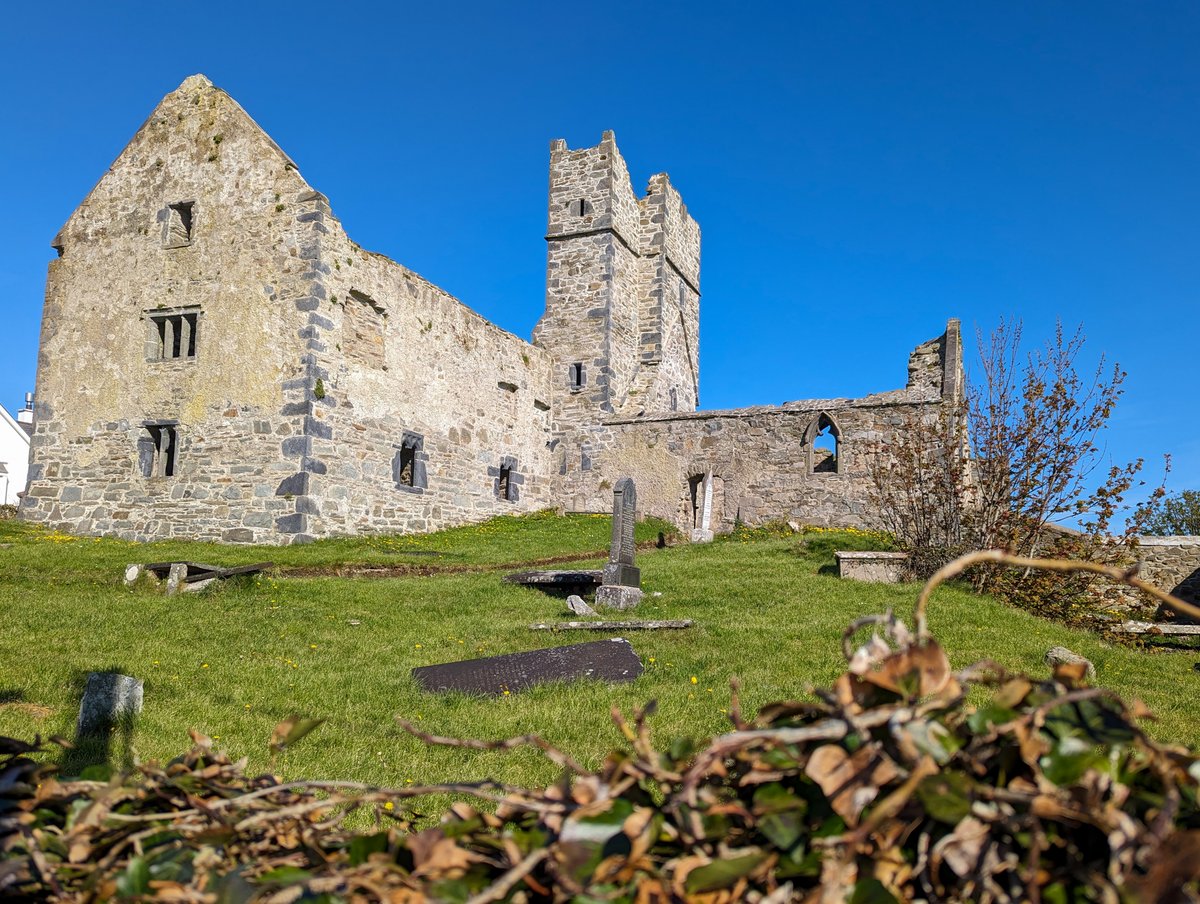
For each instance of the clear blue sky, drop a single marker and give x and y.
(861, 172)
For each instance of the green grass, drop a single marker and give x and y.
(236, 659)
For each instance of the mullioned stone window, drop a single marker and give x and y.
(158, 449)
(408, 464)
(172, 334)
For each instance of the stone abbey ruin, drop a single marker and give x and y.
(219, 360)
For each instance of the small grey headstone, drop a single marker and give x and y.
(108, 698)
(578, 606)
(602, 660)
(132, 573)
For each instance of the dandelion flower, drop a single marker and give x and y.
(694, 679)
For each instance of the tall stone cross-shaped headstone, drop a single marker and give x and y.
(622, 580)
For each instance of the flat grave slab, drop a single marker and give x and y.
(600, 660)
(1137, 627)
(578, 581)
(661, 625)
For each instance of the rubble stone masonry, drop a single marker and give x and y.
(219, 360)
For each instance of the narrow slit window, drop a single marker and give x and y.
(575, 376)
(507, 479)
(158, 450)
(408, 464)
(408, 458)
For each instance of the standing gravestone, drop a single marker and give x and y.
(108, 698)
(621, 580)
(603, 660)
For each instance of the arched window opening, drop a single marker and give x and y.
(824, 446)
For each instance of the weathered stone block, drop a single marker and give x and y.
(873, 567)
(108, 699)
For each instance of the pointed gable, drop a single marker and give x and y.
(197, 139)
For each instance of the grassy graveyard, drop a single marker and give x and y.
(319, 637)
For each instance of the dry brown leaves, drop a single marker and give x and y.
(890, 788)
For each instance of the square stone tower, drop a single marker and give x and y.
(622, 318)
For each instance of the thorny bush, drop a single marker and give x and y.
(890, 787)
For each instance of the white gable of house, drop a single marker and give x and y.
(14, 456)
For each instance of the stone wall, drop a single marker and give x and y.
(763, 460)
(219, 360)
(622, 289)
(128, 255)
(1172, 564)
(472, 395)
(313, 362)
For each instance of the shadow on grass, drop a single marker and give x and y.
(104, 746)
(11, 695)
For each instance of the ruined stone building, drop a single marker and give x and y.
(219, 360)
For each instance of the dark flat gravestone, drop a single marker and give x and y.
(557, 582)
(601, 660)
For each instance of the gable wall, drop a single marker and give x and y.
(247, 264)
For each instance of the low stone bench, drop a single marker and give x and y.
(873, 567)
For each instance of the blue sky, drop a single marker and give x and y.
(861, 172)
